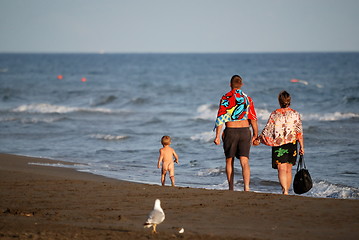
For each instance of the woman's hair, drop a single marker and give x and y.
(284, 99)
(236, 81)
(166, 140)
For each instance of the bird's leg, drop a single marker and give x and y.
(154, 228)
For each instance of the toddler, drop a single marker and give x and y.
(166, 158)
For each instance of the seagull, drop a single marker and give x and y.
(155, 217)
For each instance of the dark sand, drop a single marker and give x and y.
(40, 202)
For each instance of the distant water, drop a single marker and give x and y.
(109, 112)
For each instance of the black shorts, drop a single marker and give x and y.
(237, 142)
(286, 153)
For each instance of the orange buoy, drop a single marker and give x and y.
(60, 77)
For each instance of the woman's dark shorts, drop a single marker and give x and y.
(286, 153)
(237, 142)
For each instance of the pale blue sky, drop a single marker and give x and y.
(178, 26)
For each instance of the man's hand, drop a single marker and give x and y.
(255, 141)
(217, 141)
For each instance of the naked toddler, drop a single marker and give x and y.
(166, 158)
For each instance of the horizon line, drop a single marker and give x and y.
(219, 52)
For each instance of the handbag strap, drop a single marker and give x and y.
(301, 163)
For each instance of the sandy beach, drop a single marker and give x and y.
(42, 202)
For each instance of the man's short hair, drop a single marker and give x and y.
(236, 81)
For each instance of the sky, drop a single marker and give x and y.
(182, 26)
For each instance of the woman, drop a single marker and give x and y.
(283, 132)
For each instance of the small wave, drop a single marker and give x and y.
(32, 120)
(330, 116)
(207, 112)
(193, 163)
(108, 137)
(49, 108)
(104, 151)
(262, 114)
(154, 120)
(213, 172)
(350, 99)
(41, 120)
(204, 137)
(104, 100)
(350, 173)
(8, 119)
(324, 189)
(61, 165)
(138, 101)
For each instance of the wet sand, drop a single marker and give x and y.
(42, 202)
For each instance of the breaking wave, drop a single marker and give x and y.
(204, 137)
(209, 111)
(330, 116)
(108, 137)
(324, 189)
(34, 120)
(49, 108)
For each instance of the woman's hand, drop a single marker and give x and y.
(301, 151)
(255, 141)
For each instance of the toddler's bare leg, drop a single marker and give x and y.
(163, 178)
(172, 180)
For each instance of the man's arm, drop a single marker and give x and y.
(254, 125)
(217, 140)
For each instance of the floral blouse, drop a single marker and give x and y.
(284, 126)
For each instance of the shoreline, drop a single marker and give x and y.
(47, 202)
(64, 163)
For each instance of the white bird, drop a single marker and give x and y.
(155, 217)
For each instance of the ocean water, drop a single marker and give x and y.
(108, 113)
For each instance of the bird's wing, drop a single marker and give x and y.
(155, 216)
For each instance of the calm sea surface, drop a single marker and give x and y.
(108, 113)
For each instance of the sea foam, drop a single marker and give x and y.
(107, 137)
(324, 189)
(203, 137)
(209, 111)
(49, 108)
(330, 116)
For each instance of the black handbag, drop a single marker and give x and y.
(302, 181)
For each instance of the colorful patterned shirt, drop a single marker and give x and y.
(235, 106)
(284, 126)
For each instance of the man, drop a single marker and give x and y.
(236, 111)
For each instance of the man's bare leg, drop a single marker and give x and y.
(246, 172)
(230, 172)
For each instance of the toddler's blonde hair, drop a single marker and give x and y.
(166, 140)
